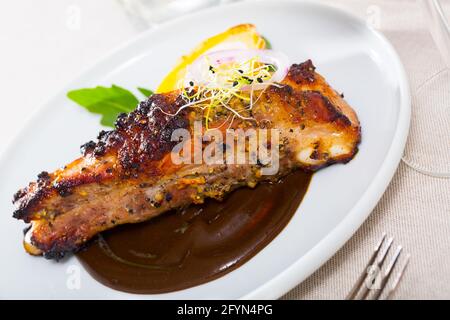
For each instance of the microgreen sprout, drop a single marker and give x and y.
(225, 81)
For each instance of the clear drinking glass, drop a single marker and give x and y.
(150, 13)
(429, 153)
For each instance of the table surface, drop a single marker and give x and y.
(45, 43)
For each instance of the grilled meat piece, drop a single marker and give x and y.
(128, 175)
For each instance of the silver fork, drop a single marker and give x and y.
(373, 280)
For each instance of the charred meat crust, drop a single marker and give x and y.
(26, 200)
(303, 73)
(140, 137)
(133, 156)
(144, 134)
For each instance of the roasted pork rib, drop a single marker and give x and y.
(127, 176)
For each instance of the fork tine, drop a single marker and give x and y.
(385, 251)
(388, 273)
(356, 287)
(397, 278)
(377, 260)
(378, 263)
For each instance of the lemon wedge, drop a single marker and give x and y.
(243, 36)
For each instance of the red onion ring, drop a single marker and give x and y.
(196, 71)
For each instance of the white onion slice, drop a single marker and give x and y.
(200, 75)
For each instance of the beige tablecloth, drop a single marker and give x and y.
(415, 208)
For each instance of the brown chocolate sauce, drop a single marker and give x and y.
(184, 248)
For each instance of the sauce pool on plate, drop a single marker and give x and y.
(188, 247)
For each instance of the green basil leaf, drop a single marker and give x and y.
(108, 102)
(268, 44)
(145, 92)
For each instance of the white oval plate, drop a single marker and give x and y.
(351, 56)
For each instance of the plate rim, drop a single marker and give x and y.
(346, 228)
(295, 274)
